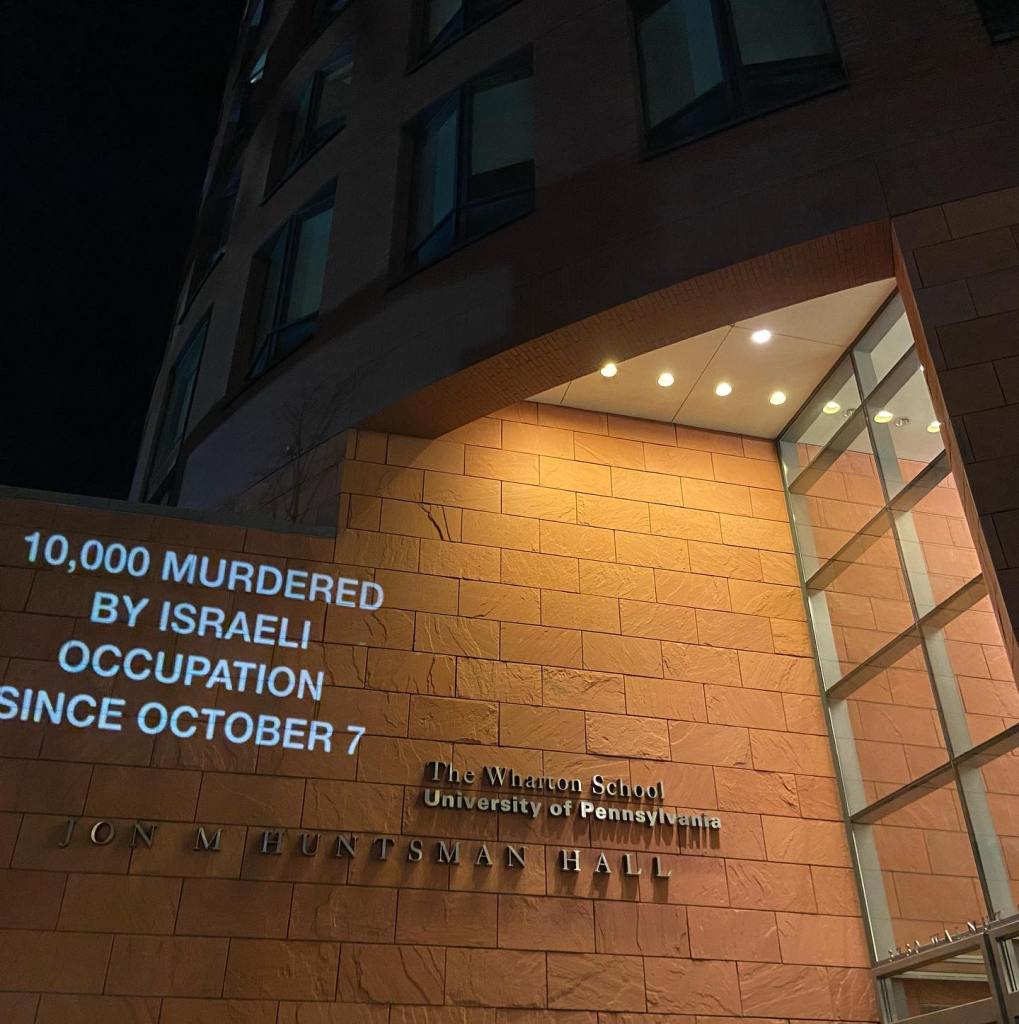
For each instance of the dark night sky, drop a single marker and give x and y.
(107, 113)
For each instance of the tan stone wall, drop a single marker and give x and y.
(567, 593)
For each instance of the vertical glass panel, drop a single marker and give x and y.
(819, 421)
(936, 543)
(438, 15)
(334, 95)
(502, 126)
(299, 127)
(836, 496)
(273, 281)
(888, 340)
(952, 980)
(919, 869)
(973, 675)
(435, 185)
(858, 604)
(178, 399)
(258, 68)
(680, 57)
(992, 798)
(903, 424)
(1001, 18)
(776, 30)
(890, 733)
(311, 248)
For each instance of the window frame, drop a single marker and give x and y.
(989, 18)
(161, 470)
(665, 136)
(422, 51)
(518, 67)
(322, 201)
(287, 158)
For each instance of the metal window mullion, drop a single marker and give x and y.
(729, 50)
(988, 857)
(868, 896)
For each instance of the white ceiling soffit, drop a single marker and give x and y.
(807, 340)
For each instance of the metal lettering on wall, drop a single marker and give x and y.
(178, 621)
(507, 787)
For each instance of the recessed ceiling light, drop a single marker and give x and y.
(609, 370)
(777, 398)
(884, 416)
(723, 388)
(830, 408)
(762, 337)
(666, 380)
(934, 427)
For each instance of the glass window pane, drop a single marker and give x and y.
(918, 869)
(438, 15)
(937, 547)
(310, 252)
(887, 731)
(178, 399)
(905, 429)
(973, 675)
(273, 281)
(502, 126)
(885, 343)
(774, 30)
(1001, 18)
(818, 422)
(952, 980)
(334, 95)
(299, 125)
(680, 58)
(992, 796)
(835, 496)
(436, 178)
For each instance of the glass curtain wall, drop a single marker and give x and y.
(922, 705)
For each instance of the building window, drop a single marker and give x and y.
(257, 13)
(330, 8)
(290, 268)
(1001, 18)
(214, 232)
(919, 694)
(473, 162)
(705, 64)
(441, 22)
(317, 114)
(180, 391)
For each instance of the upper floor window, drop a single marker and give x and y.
(441, 22)
(288, 273)
(473, 162)
(180, 391)
(316, 115)
(705, 64)
(1001, 18)
(257, 13)
(214, 230)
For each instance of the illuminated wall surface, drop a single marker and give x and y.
(567, 595)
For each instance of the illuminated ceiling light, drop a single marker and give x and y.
(830, 408)
(777, 398)
(884, 416)
(609, 370)
(762, 337)
(666, 380)
(723, 388)
(934, 427)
